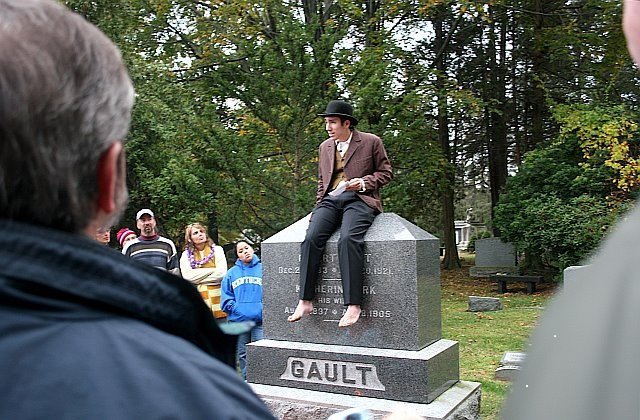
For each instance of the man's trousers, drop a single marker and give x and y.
(354, 218)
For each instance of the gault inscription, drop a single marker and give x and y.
(330, 372)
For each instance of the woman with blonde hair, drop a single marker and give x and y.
(203, 263)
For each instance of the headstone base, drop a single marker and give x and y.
(477, 271)
(507, 373)
(402, 375)
(461, 401)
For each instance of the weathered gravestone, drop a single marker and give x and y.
(492, 257)
(484, 304)
(394, 352)
(510, 365)
(572, 275)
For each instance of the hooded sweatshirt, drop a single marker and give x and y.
(241, 295)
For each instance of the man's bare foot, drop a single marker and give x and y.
(305, 307)
(351, 316)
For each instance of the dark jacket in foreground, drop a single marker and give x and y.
(87, 333)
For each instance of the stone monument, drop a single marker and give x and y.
(484, 304)
(572, 275)
(493, 257)
(393, 356)
(510, 365)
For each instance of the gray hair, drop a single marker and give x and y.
(65, 97)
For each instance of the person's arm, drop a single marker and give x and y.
(172, 262)
(383, 173)
(194, 275)
(221, 262)
(227, 296)
(378, 173)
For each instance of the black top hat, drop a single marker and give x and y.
(340, 109)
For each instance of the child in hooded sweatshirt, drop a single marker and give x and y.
(241, 298)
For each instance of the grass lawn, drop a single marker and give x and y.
(485, 336)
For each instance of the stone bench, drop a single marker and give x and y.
(503, 280)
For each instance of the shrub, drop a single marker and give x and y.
(554, 233)
(472, 241)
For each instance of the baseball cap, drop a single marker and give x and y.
(144, 211)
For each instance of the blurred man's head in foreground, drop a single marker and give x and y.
(65, 105)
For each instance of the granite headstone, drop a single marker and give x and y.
(401, 307)
(571, 276)
(484, 304)
(492, 257)
(394, 352)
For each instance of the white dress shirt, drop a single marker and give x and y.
(343, 146)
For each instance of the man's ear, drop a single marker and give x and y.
(107, 178)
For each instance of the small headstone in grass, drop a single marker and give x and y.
(510, 365)
(484, 304)
(513, 358)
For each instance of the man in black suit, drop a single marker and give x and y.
(356, 162)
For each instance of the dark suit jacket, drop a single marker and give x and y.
(366, 158)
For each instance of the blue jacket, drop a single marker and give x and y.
(241, 294)
(87, 333)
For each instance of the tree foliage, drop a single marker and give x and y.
(606, 136)
(225, 127)
(565, 196)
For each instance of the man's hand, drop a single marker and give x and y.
(355, 184)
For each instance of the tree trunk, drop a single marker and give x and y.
(538, 54)
(497, 125)
(451, 258)
(212, 221)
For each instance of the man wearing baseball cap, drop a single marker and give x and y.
(151, 248)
